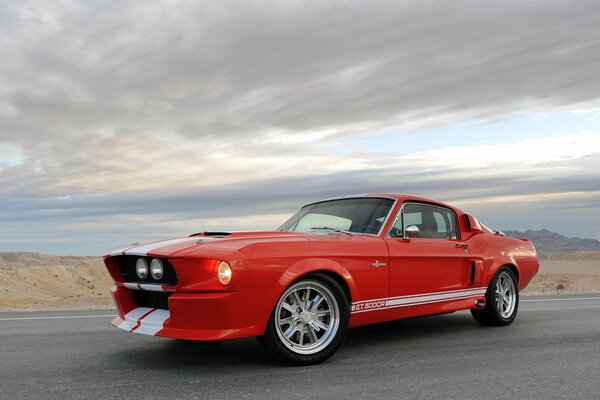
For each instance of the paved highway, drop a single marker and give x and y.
(552, 351)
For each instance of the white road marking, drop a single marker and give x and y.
(567, 299)
(59, 317)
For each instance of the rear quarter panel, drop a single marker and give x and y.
(496, 251)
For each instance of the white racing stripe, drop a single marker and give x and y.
(149, 287)
(144, 320)
(148, 248)
(131, 318)
(153, 323)
(130, 285)
(119, 252)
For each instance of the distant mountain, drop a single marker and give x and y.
(547, 242)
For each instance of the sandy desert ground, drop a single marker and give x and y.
(32, 280)
(39, 281)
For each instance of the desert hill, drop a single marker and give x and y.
(547, 242)
(42, 280)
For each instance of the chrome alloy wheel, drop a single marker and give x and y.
(505, 294)
(307, 317)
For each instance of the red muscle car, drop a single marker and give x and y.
(336, 264)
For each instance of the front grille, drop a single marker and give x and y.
(151, 299)
(129, 275)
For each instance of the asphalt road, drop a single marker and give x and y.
(551, 351)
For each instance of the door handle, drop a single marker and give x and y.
(464, 246)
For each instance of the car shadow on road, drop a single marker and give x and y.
(360, 342)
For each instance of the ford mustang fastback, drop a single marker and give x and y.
(334, 265)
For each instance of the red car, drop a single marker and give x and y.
(336, 264)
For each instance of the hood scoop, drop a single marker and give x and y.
(217, 234)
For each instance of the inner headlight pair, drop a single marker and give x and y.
(156, 268)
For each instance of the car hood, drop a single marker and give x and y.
(179, 247)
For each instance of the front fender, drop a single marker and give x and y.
(305, 267)
(296, 271)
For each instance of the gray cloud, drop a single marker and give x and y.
(243, 68)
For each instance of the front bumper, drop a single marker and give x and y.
(192, 316)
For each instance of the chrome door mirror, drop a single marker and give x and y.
(411, 231)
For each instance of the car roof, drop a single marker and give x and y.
(393, 196)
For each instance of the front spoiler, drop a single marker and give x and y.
(143, 320)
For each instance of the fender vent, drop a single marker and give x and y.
(474, 272)
(471, 275)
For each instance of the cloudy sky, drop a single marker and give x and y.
(131, 121)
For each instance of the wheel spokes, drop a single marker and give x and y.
(290, 330)
(312, 334)
(505, 294)
(297, 301)
(289, 307)
(316, 302)
(306, 320)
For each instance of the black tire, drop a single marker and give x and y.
(499, 312)
(334, 314)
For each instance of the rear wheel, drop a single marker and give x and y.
(309, 321)
(502, 300)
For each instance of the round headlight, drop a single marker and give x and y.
(224, 273)
(141, 268)
(156, 269)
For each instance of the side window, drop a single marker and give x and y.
(433, 222)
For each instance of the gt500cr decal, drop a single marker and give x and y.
(369, 305)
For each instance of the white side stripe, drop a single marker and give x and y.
(442, 296)
(414, 300)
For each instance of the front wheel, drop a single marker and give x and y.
(502, 300)
(309, 321)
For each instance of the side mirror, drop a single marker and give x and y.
(411, 231)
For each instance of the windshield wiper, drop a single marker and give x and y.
(327, 228)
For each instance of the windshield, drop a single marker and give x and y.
(357, 215)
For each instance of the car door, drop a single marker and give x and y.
(431, 261)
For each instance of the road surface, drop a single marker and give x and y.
(551, 351)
